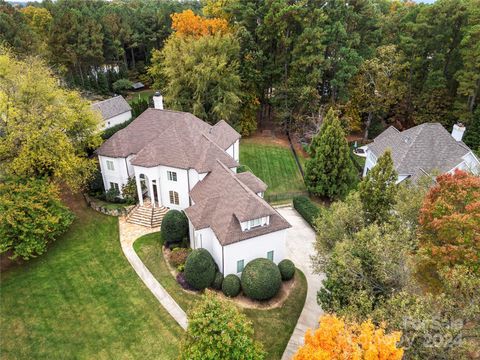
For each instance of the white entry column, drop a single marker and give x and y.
(139, 189)
(159, 193)
(150, 190)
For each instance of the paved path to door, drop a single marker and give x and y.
(128, 234)
(300, 239)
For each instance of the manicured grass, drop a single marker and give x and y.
(275, 165)
(272, 327)
(82, 300)
(146, 94)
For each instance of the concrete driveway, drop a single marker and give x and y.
(300, 239)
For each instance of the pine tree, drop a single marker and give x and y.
(378, 189)
(330, 171)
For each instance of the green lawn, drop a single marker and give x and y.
(275, 165)
(82, 300)
(272, 327)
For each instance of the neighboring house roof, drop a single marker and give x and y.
(222, 201)
(172, 138)
(420, 149)
(137, 85)
(112, 107)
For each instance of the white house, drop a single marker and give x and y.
(180, 162)
(425, 149)
(114, 111)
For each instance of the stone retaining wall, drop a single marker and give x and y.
(98, 206)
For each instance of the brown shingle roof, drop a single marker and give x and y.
(253, 182)
(171, 138)
(222, 201)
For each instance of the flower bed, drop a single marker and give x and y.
(108, 208)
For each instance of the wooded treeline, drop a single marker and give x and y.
(377, 62)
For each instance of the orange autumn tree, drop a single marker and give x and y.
(187, 23)
(337, 340)
(449, 230)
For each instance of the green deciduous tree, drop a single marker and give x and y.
(217, 330)
(330, 171)
(378, 190)
(363, 272)
(200, 75)
(46, 130)
(31, 216)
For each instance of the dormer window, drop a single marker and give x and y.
(255, 223)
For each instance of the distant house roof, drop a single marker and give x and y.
(222, 201)
(420, 149)
(137, 85)
(112, 107)
(172, 138)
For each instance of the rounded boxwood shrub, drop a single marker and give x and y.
(261, 279)
(199, 269)
(217, 281)
(287, 269)
(174, 227)
(231, 285)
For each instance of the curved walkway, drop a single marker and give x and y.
(300, 239)
(128, 234)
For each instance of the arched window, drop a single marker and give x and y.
(173, 197)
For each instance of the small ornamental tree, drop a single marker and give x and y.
(449, 229)
(174, 227)
(337, 340)
(330, 171)
(217, 330)
(31, 215)
(200, 269)
(378, 190)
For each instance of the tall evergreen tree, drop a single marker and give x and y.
(378, 190)
(330, 171)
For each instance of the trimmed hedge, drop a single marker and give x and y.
(231, 285)
(287, 269)
(217, 281)
(174, 227)
(306, 208)
(199, 269)
(261, 279)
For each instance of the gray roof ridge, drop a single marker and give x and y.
(109, 99)
(409, 146)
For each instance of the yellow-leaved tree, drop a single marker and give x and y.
(336, 339)
(45, 129)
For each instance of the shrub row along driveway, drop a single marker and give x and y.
(300, 240)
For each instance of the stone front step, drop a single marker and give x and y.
(147, 216)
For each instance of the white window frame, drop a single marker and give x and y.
(242, 262)
(110, 165)
(268, 255)
(255, 223)
(115, 185)
(172, 175)
(174, 198)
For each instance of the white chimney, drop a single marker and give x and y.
(457, 132)
(158, 100)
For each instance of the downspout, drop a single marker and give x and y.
(126, 165)
(223, 261)
(188, 184)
